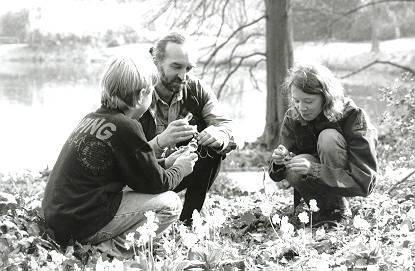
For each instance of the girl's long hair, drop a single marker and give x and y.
(314, 78)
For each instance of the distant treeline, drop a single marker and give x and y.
(352, 20)
(312, 21)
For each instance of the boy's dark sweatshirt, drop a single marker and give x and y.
(106, 152)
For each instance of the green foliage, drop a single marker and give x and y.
(398, 124)
(250, 156)
(60, 40)
(249, 231)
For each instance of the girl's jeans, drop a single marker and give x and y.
(332, 151)
(130, 215)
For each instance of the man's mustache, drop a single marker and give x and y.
(177, 80)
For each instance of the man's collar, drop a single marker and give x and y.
(160, 87)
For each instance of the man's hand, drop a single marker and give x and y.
(172, 157)
(212, 137)
(186, 161)
(177, 131)
(299, 165)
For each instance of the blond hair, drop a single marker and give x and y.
(124, 78)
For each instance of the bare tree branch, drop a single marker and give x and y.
(235, 68)
(161, 11)
(379, 62)
(223, 18)
(213, 54)
(400, 182)
(351, 11)
(228, 61)
(252, 76)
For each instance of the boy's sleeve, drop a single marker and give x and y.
(140, 168)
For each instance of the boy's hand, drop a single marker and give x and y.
(172, 157)
(186, 161)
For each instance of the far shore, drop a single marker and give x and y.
(337, 55)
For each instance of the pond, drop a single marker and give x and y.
(40, 105)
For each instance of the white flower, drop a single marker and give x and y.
(148, 230)
(57, 258)
(168, 246)
(146, 234)
(197, 219)
(320, 232)
(313, 205)
(303, 217)
(276, 219)
(286, 227)
(189, 240)
(151, 217)
(411, 214)
(217, 219)
(266, 208)
(115, 265)
(360, 223)
(183, 229)
(319, 264)
(372, 267)
(129, 240)
(404, 229)
(200, 228)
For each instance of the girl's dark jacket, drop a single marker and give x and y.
(106, 152)
(300, 137)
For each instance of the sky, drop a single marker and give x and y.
(78, 17)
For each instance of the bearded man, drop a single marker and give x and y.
(167, 124)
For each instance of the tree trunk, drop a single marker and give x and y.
(279, 53)
(395, 22)
(375, 29)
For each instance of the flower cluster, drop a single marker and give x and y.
(360, 223)
(303, 216)
(146, 232)
(313, 206)
(286, 227)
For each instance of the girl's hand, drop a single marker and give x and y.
(280, 154)
(299, 165)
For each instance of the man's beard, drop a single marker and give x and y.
(175, 85)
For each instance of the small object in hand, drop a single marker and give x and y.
(192, 145)
(188, 116)
(289, 156)
(282, 150)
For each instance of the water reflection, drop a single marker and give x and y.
(40, 105)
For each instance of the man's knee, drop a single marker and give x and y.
(330, 140)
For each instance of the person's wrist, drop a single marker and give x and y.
(160, 143)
